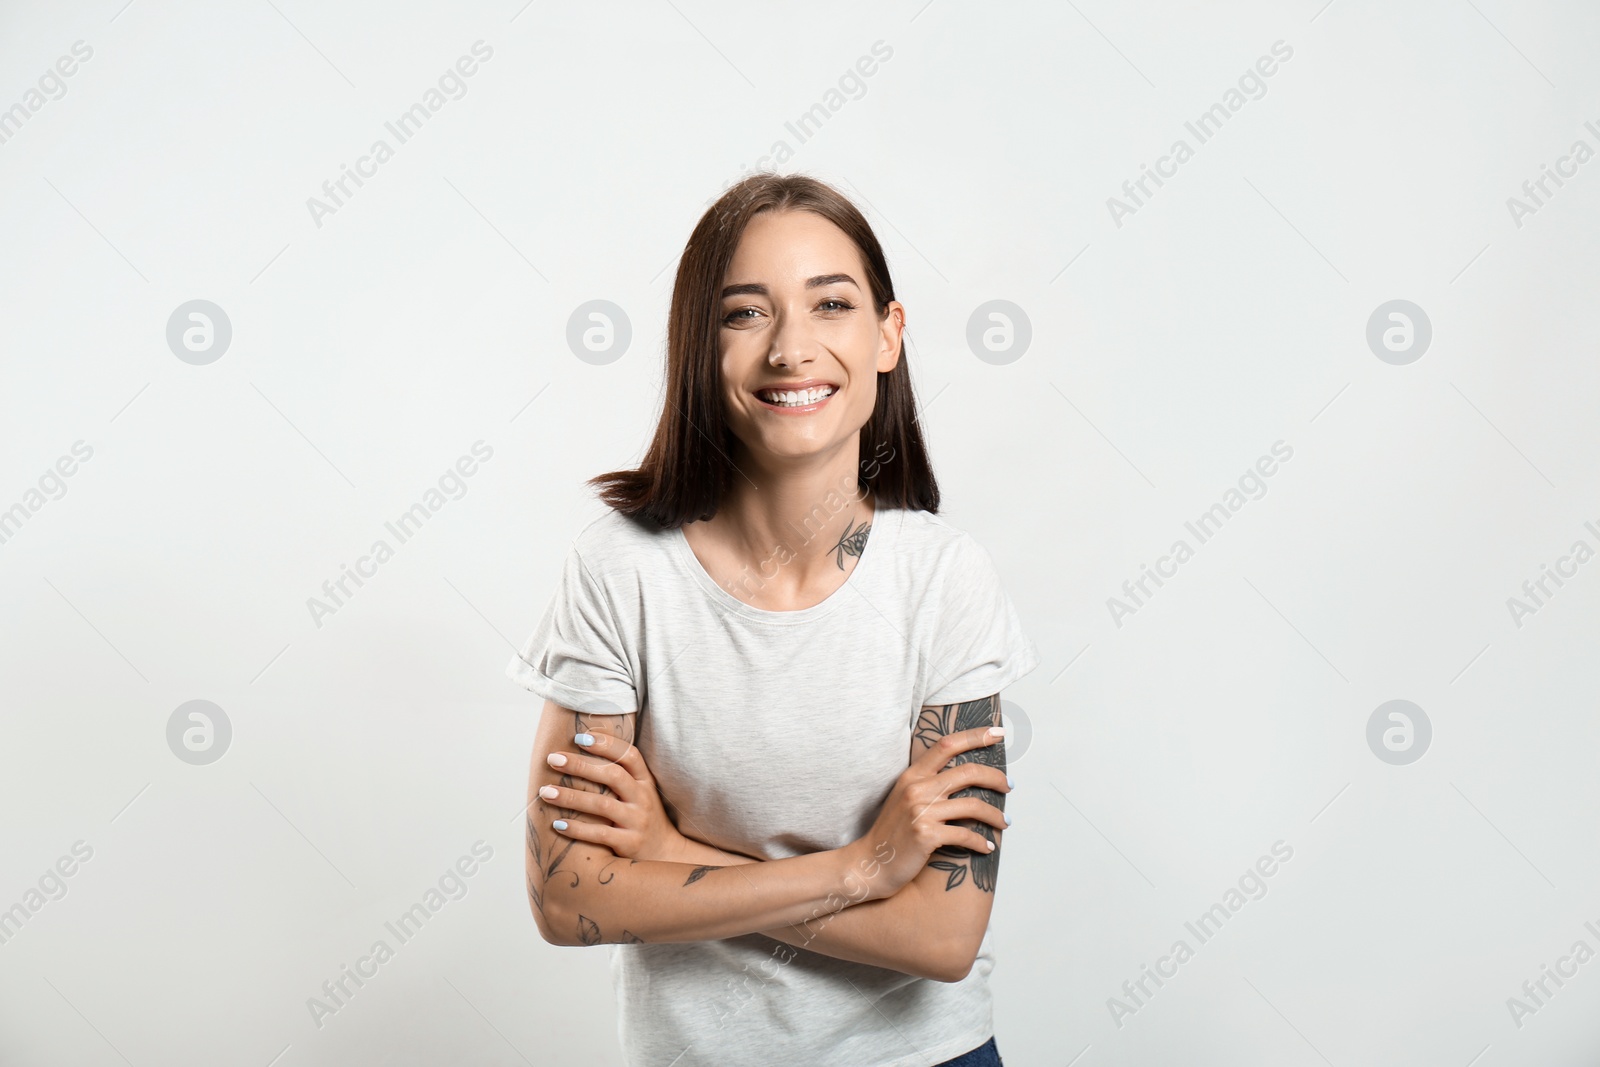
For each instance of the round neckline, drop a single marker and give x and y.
(885, 524)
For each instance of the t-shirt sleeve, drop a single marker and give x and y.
(576, 655)
(978, 643)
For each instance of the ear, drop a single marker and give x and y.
(893, 327)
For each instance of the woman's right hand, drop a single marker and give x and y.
(916, 818)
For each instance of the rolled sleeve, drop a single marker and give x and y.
(979, 646)
(576, 655)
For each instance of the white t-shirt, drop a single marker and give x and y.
(775, 734)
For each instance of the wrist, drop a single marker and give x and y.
(675, 849)
(685, 849)
(862, 872)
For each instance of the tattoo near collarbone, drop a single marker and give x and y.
(851, 543)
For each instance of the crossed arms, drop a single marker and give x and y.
(848, 903)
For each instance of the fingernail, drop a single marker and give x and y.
(561, 824)
(583, 739)
(1010, 784)
(549, 792)
(991, 846)
(556, 759)
(997, 731)
(1008, 818)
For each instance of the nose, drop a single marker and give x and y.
(792, 343)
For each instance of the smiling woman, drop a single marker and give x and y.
(780, 802)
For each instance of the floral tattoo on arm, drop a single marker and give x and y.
(935, 721)
(547, 848)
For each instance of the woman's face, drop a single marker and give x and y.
(796, 308)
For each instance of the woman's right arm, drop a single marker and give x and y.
(583, 894)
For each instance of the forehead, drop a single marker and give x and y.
(787, 247)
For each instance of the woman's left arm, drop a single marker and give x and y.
(932, 928)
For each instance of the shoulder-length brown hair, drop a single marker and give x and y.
(689, 464)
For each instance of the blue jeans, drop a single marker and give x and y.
(985, 1055)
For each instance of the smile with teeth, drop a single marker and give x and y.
(794, 399)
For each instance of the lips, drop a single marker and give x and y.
(780, 397)
(825, 389)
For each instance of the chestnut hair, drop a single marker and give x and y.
(689, 464)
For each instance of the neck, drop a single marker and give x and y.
(808, 517)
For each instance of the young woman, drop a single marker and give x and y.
(773, 633)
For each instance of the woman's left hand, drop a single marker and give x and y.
(640, 828)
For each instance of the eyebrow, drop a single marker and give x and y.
(757, 289)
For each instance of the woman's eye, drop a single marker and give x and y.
(829, 305)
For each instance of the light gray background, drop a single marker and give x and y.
(1168, 353)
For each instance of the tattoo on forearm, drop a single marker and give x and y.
(540, 874)
(699, 873)
(589, 934)
(851, 544)
(935, 722)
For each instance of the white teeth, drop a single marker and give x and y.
(792, 398)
